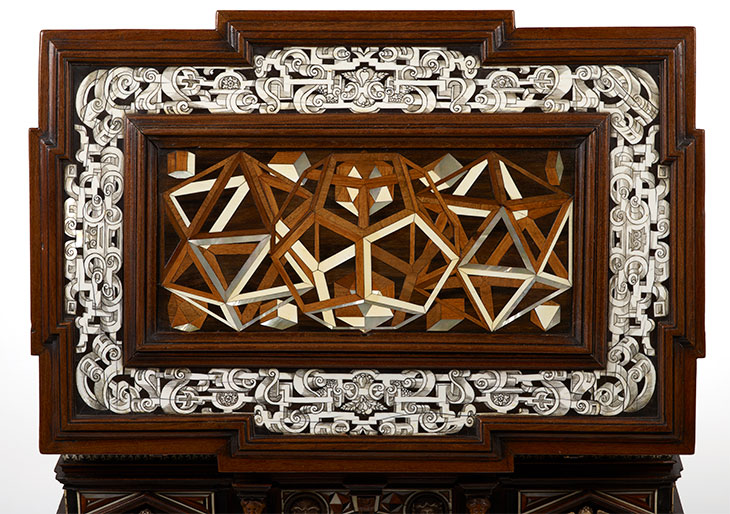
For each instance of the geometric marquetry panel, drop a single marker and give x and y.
(588, 501)
(96, 502)
(368, 241)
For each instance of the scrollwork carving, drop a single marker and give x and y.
(250, 506)
(414, 80)
(305, 503)
(478, 505)
(426, 503)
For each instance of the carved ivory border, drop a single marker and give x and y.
(366, 80)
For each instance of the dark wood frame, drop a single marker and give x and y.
(679, 337)
(584, 347)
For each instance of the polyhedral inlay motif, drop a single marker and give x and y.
(368, 241)
(221, 251)
(507, 275)
(367, 202)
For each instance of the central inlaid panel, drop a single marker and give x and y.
(462, 240)
(396, 239)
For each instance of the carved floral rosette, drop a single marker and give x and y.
(367, 80)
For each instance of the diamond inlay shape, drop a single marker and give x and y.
(508, 265)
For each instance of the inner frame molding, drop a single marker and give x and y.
(637, 257)
(152, 139)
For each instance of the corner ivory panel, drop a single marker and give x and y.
(354, 242)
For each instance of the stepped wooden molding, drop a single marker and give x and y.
(379, 236)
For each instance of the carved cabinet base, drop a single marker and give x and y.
(539, 485)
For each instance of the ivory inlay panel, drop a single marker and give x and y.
(417, 80)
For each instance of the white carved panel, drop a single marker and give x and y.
(414, 80)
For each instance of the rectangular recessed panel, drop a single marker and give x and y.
(464, 240)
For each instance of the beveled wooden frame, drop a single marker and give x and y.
(680, 337)
(585, 346)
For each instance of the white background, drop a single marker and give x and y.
(27, 482)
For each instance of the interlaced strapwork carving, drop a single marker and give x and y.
(412, 80)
